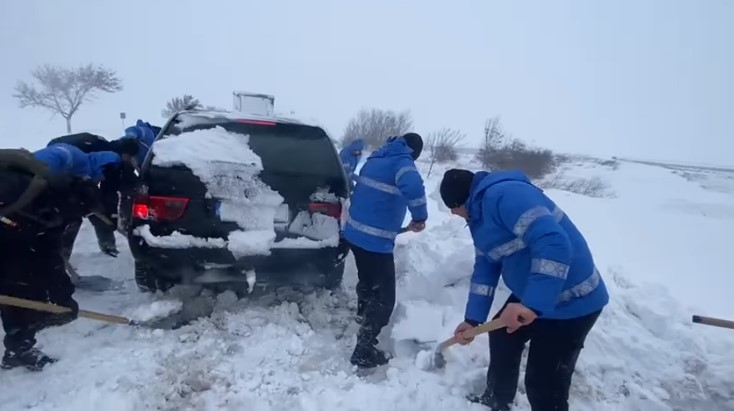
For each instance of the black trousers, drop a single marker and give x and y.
(34, 270)
(105, 234)
(375, 290)
(555, 346)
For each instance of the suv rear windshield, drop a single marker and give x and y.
(283, 148)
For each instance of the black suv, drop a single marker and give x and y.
(299, 162)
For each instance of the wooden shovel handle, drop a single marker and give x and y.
(473, 332)
(716, 322)
(58, 309)
(104, 317)
(33, 305)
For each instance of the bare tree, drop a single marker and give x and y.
(494, 138)
(375, 126)
(442, 146)
(176, 104)
(63, 90)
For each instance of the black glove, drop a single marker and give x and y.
(60, 291)
(60, 319)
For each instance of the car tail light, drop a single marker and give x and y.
(159, 208)
(256, 122)
(330, 209)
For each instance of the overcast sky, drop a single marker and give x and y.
(641, 78)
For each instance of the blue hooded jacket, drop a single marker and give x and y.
(349, 160)
(387, 184)
(65, 158)
(145, 134)
(521, 234)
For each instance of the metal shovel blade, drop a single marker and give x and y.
(438, 361)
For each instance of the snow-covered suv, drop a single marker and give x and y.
(235, 199)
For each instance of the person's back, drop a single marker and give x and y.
(388, 183)
(87, 142)
(65, 158)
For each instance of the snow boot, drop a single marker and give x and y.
(366, 354)
(486, 400)
(109, 249)
(32, 359)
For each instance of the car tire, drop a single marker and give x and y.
(148, 280)
(333, 277)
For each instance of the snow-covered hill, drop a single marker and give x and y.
(659, 236)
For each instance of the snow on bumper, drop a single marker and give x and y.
(238, 242)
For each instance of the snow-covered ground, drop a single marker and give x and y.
(659, 238)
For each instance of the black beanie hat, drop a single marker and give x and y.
(455, 187)
(125, 145)
(415, 142)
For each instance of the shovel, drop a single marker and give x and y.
(438, 360)
(716, 322)
(57, 309)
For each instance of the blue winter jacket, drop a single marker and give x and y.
(388, 183)
(350, 161)
(65, 158)
(521, 234)
(145, 134)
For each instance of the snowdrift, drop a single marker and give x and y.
(659, 242)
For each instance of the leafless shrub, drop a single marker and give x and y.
(500, 151)
(590, 187)
(442, 144)
(374, 126)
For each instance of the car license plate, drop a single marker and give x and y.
(218, 209)
(282, 215)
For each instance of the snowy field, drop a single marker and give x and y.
(661, 238)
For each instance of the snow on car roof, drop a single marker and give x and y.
(233, 115)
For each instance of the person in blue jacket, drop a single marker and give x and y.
(388, 184)
(557, 293)
(350, 156)
(145, 134)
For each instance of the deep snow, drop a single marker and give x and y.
(660, 244)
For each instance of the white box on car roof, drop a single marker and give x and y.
(254, 103)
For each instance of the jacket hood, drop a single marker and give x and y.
(482, 181)
(357, 144)
(395, 146)
(98, 160)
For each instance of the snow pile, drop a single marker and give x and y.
(644, 354)
(156, 309)
(243, 243)
(229, 168)
(306, 243)
(177, 240)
